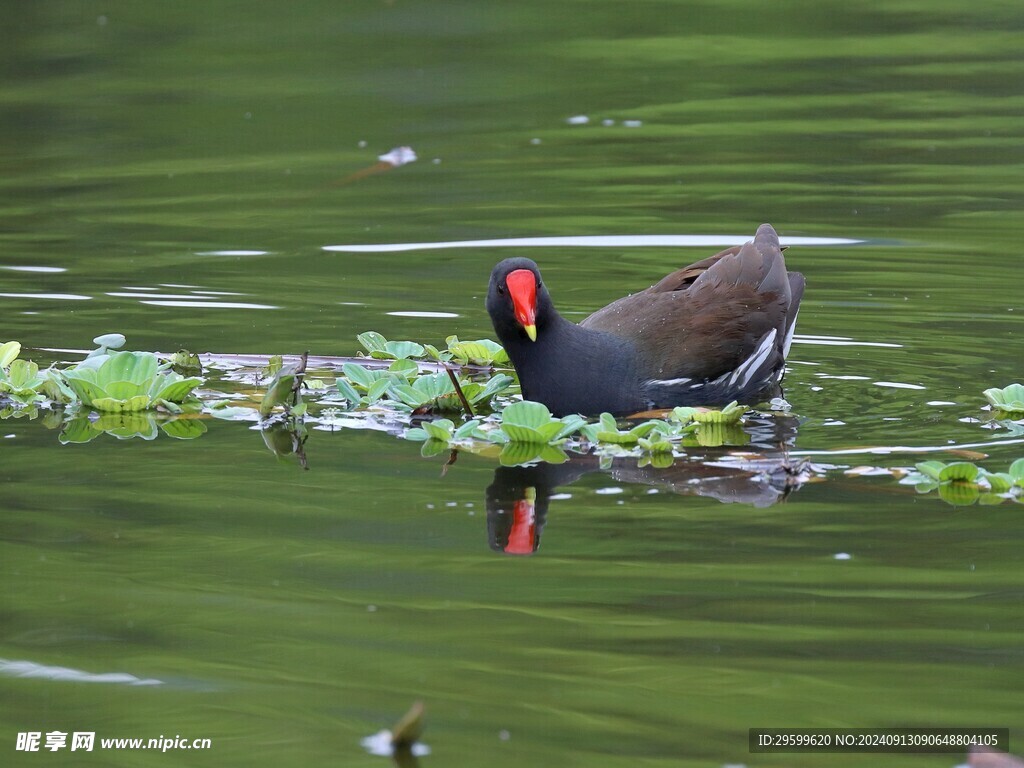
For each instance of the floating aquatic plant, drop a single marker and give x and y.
(730, 414)
(127, 382)
(1009, 400)
(530, 422)
(607, 431)
(407, 389)
(482, 352)
(962, 482)
(21, 382)
(382, 349)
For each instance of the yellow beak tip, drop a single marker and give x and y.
(531, 331)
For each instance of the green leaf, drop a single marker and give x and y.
(136, 367)
(122, 390)
(518, 434)
(378, 388)
(86, 390)
(657, 443)
(467, 429)
(372, 341)
(495, 385)
(1009, 399)
(347, 391)
(1017, 472)
(930, 469)
(683, 414)
(407, 369)
(440, 429)
(434, 385)
(569, 424)
(524, 421)
(433, 353)
(278, 393)
(186, 363)
(403, 349)
(417, 434)
(628, 437)
(109, 341)
(409, 395)
(174, 388)
(730, 414)
(23, 374)
(433, 448)
(481, 352)
(959, 471)
(9, 351)
(122, 405)
(362, 377)
(999, 482)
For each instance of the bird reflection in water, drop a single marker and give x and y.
(517, 499)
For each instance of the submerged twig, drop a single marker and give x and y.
(452, 457)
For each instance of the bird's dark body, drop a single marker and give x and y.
(714, 331)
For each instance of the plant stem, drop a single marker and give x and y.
(458, 390)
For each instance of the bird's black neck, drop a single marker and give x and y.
(568, 367)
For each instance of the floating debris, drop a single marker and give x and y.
(399, 156)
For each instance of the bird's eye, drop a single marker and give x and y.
(501, 289)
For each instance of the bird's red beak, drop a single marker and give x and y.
(522, 287)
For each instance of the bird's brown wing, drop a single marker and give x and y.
(705, 319)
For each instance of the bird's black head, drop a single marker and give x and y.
(517, 301)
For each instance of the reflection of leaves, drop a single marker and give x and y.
(715, 434)
(959, 494)
(515, 453)
(125, 426)
(184, 429)
(284, 440)
(78, 431)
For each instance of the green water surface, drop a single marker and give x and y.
(286, 614)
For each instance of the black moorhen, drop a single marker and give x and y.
(715, 331)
